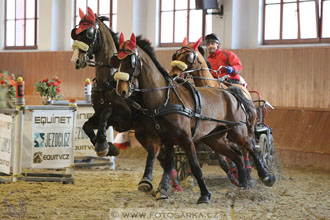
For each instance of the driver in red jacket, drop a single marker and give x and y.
(228, 60)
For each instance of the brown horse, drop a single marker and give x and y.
(190, 61)
(173, 107)
(111, 110)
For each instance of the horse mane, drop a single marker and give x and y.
(202, 51)
(145, 45)
(113, 34)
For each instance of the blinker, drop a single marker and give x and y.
(73, 34)
(133, 61)
(90, 32)
(174, 57)
(190, 58)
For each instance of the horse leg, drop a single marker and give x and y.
(152, 147)
(196, 170)
(89, 127)
(226, 168)
(163, 160)
(102, 146)
(222, 146)
(267, 178)
(248, 169)
(167, 164)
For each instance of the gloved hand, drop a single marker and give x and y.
(229, 69)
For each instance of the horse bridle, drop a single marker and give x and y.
(192, 57)
(93, 34)
(135, 62)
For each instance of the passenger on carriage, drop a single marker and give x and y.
(223, 62)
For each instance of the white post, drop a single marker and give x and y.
(70, 170)
(18, 145)
(112, 158)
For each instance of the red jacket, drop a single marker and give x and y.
(225, 58)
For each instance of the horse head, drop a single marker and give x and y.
(128, 63)
(187, 58)
(190, 60)
(85, 38)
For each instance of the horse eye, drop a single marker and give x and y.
(133, 61)
(190, 58)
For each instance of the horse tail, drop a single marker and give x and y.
(249, 107)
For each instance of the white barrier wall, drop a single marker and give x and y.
(48, 138)
(6, 126)
(52, 138)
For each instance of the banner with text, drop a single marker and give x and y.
(52, 138)
(5, 142)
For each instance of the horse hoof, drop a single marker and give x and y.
(102, 149)
(102, 153)
(145, 185)
(113, 150)
(161, 194)
(269, 180)
(204, 199)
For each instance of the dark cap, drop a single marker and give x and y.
(212, 38)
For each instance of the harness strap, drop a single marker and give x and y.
(198, 103)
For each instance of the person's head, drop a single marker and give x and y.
(212, 42)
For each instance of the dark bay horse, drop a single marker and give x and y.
(110, 109)
(173, 108)
(190, 62)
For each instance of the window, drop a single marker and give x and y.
(21, 20)
(179, 19)
(106, 8)
(296, 21)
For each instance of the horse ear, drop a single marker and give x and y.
(81, 14)
(90, 15)
(121, 38)
(185, 41)
(133, 40)
(196, 44)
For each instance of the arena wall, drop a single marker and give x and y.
(294, 80)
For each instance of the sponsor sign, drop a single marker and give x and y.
(83, 146)
(52, 138)
(5, 142)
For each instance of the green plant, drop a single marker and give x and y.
(49, 88)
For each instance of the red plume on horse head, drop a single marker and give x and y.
(185, 41)
(88, 20)
(126, 47)
(196, 44)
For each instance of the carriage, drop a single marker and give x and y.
(263, 137)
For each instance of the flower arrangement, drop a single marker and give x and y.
(49, 88)
(7, 90)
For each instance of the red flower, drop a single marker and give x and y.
(45, 80)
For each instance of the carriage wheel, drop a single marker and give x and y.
(266, 150)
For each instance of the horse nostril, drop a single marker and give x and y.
(123, 93)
